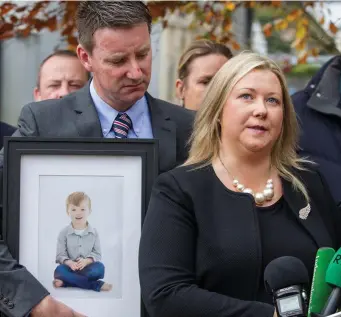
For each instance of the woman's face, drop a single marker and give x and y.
(253, 113)
(201, 70)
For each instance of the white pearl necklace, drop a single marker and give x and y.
(260, 197)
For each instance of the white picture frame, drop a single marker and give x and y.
(116, 178)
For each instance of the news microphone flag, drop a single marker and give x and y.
(333, 278)
(320, 290)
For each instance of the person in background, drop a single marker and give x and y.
(242, 199)
(60, 74)
(318, 107)
(197, 65)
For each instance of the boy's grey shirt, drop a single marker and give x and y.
(71, 246)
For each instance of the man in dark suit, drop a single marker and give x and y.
(318, 107)
(59, 74)
(114, 44)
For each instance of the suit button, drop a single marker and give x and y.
(10, 305)
(6, 300)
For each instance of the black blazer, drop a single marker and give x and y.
(75, 116)
(5, 130)
(198, 237)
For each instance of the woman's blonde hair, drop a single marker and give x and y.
(205, 139)
(197, 49)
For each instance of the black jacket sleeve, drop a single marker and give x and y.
(331, 214)
(5, 130)
(19, 290)
(167, 262)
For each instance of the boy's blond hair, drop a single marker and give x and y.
(76, 198)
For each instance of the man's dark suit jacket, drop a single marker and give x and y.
(75, 116)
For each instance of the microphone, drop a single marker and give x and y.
(285, 279)
(320, 290)
(333, 278)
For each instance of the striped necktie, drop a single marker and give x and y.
(122, 125)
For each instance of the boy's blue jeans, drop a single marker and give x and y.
(88, 278)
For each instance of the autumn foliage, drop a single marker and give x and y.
(214, 18)
(23, 20)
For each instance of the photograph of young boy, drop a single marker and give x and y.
(78, 249)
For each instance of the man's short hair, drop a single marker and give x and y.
(65, 53)
(94, 15)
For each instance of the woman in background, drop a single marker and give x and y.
(197, 65)
(242, 199)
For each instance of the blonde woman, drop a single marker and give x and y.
(197, 66)
(242, 199)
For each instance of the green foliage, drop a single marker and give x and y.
(304, 70)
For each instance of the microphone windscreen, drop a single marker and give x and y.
(333, 274)
(320, 290)
(284, 272)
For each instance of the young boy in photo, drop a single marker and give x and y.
(78, 249)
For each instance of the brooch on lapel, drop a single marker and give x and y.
(304, 212)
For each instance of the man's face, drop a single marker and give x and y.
(59, 76)
(121, 62)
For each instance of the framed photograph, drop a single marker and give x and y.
(73, 211)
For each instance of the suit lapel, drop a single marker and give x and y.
(87, 121)
(164, 129)
(313, 221)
